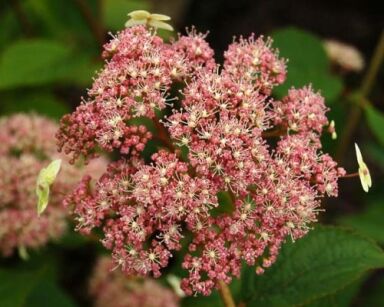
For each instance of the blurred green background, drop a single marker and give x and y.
(50, 50)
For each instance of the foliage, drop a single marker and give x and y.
(325, 261)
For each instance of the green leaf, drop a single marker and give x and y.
(307, 63)
(48, 294)
(80, 70)
(46, 178)
(342, 298)
(62, 20)
(36, 101)
(28, 285)
(16, 285)
(32, 62)
(374, 294)
(320, 264)
(375, 121)
(115, 11)
(49, 173)
(10, 28)
(368, 222)
(42, 192)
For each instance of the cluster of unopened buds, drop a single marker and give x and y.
(222, 134)
(27, 145)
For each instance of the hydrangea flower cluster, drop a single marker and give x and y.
(223, 117)
(27, 144)
(114, 289)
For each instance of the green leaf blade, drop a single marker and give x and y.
(369, 222)
(32, 62)
(16, 286)
(326, 260)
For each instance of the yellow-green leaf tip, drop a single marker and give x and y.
(45, 179)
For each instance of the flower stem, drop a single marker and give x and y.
(366, 86)
(226, 295)
(352, 175)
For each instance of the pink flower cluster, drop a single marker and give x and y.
(27, 145)
(223, 118)
(114, 289)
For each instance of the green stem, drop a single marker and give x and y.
(366, 87)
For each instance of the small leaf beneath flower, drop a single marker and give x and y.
(42, 192)
(46, 178)
(49, 173)
(23, 252)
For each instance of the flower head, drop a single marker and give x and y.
(141, 17)
(214, 146)
(27, 144)
(365, 176)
